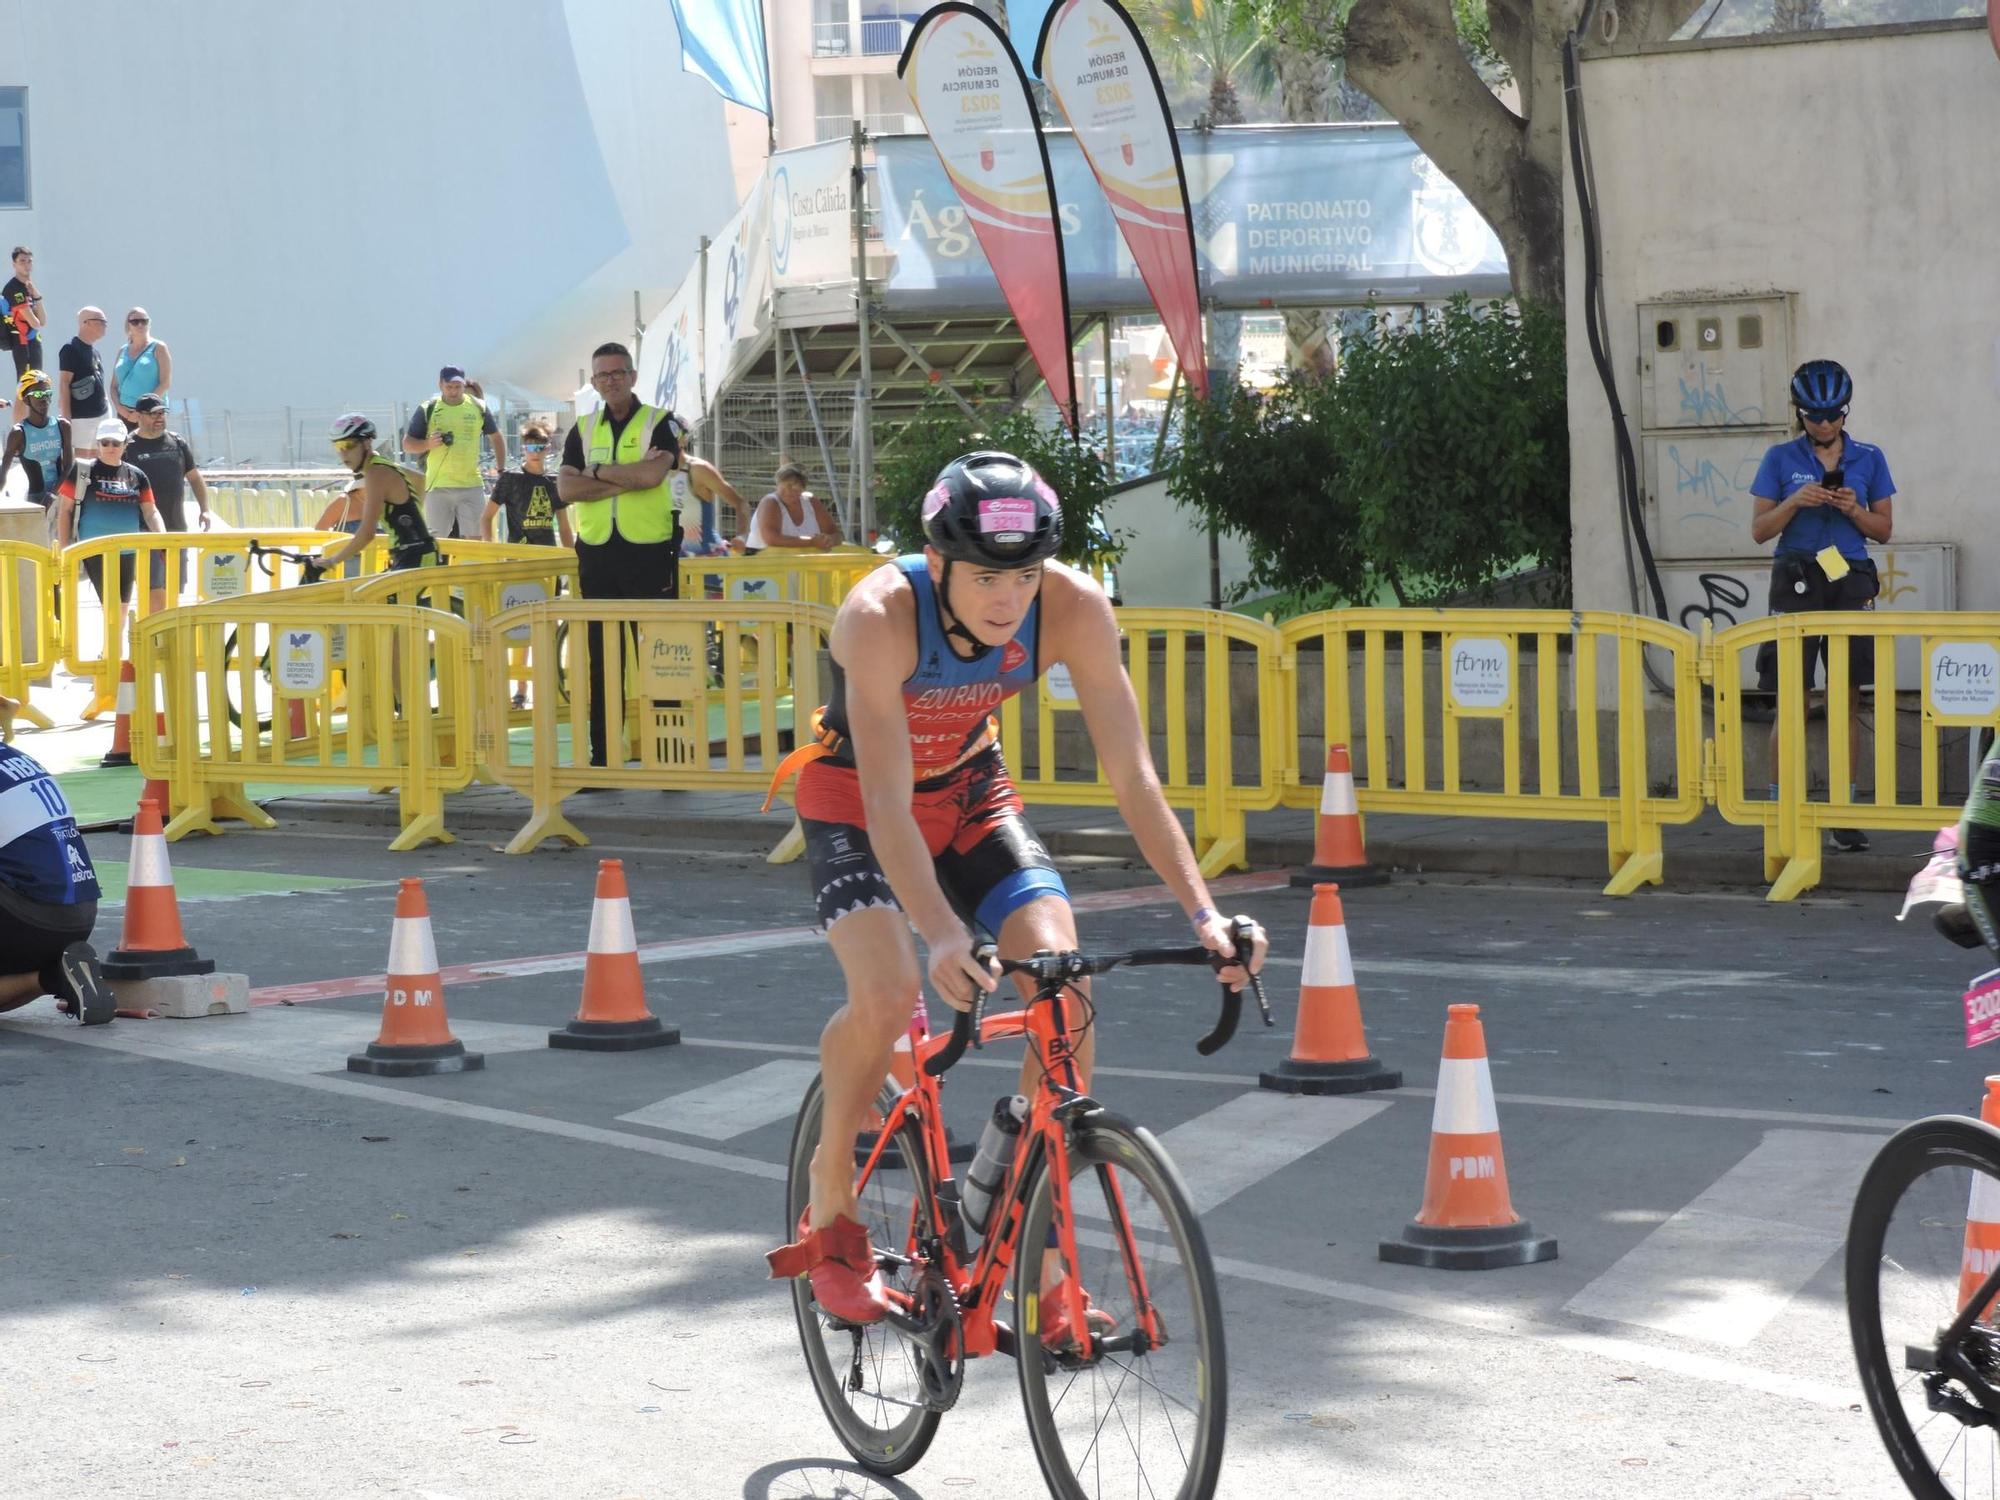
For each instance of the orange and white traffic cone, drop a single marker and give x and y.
(416, 1038)
(1338, 852)
(1329, 1047)
(153, 944)
(156, 789)
(1982, 1221)
(613, 1016)
(120, 753)
(1468, 1221)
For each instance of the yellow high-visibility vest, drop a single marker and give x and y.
(636, 515)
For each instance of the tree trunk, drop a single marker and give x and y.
(1224, 108)
(1305, 82)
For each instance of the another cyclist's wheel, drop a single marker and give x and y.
(1934, 1400)
(868, 1380)
(1145, 1414)
(232, 682)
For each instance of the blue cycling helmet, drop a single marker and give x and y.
(1821, 385)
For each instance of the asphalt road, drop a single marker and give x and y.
(230, 1268)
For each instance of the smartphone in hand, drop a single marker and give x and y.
(1833, 479)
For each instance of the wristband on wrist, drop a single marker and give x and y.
(1203, 913)
(593, 472)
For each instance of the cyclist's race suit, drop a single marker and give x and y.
(989, 861)
(1979, 844)
(410, 541)
(48, 886)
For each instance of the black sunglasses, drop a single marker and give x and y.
(1823, 413)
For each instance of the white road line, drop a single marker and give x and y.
(1647, 981)
(1500, 1322)
(1240, 1143)
(302, 1041)
(1720, 1269)
(732, 1106)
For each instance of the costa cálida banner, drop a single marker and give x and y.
(972, 94)
(1096, 65)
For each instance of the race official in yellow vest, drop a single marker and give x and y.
(615, 482)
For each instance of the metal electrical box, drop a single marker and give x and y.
(1720, 363)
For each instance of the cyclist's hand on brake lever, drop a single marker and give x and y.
(955, 971)
(313, 569)
(1213, 930)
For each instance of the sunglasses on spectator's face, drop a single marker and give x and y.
(137, 322)
(1824, 414)
(534, 447)
(111, 442)
(39, 393)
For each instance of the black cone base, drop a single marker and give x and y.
(154, 963)
(1484, 1249)
(415, 1062)
(615, 1036)
(1353, 1077)
(1344, 876)
(116, 758)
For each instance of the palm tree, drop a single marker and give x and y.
(1219, 40)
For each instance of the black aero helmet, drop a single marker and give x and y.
(1821, 385)
(991, 510)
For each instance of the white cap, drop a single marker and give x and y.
(112, 427)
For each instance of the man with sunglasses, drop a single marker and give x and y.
(1823, 491)
(109, 497)
(40, 443)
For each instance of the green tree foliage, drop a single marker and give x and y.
(910, 457)
(1435, 461)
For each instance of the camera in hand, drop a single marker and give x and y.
(446, 438)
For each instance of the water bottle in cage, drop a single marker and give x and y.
(997, 1145)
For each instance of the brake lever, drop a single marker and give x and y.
(985, 954)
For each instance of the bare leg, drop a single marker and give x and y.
(879, 958)
(18, 989)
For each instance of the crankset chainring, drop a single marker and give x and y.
(937, 1341)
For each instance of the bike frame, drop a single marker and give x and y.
(980, 1283)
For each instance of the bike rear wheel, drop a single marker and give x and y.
(1146, 1414)
(866, 1378)
(1907, 1250)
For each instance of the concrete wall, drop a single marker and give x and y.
(320, 206)
(1854, 171)
(1166, 553)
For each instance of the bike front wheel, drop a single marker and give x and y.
(1916, 1254)
(867, 1380)
(1145, 1413)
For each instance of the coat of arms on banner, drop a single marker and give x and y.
(986, 156)
(1447, 234)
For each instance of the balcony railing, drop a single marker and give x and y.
(876, 36)
(840, 127)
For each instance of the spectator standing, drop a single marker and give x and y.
(81, 372)
(535, 513)
(21, 306)
(144, 366)
(343, 511)
(446, 429)
(169, 465)
(40, 443)
(48, 892)
(110, 497)
(792, 516)
(614, 477)
(1823, 491)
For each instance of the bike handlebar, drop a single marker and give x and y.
(261, 555)
(1051, 971)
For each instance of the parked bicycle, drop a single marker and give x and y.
(1092, 1272)
(1923, 1267)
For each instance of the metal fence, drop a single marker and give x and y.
(294, 437)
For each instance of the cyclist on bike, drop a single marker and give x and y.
(910, 817)
(391, 496)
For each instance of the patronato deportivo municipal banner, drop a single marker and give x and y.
(1096, 65)
(968, 87)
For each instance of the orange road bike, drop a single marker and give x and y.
(1093, 1273)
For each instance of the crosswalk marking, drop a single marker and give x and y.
(302, 1041)
(1726, 1264)
(1241, 1142)
(732, 1106)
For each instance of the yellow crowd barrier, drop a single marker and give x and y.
(206, 565)
(1957, 694)
(788, 573)
(1453, 668)
(1210, 701)
(30, 636)
(251, 695)
(687, 728)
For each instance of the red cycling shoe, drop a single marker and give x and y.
(1053, 1309)
(840, 1263)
